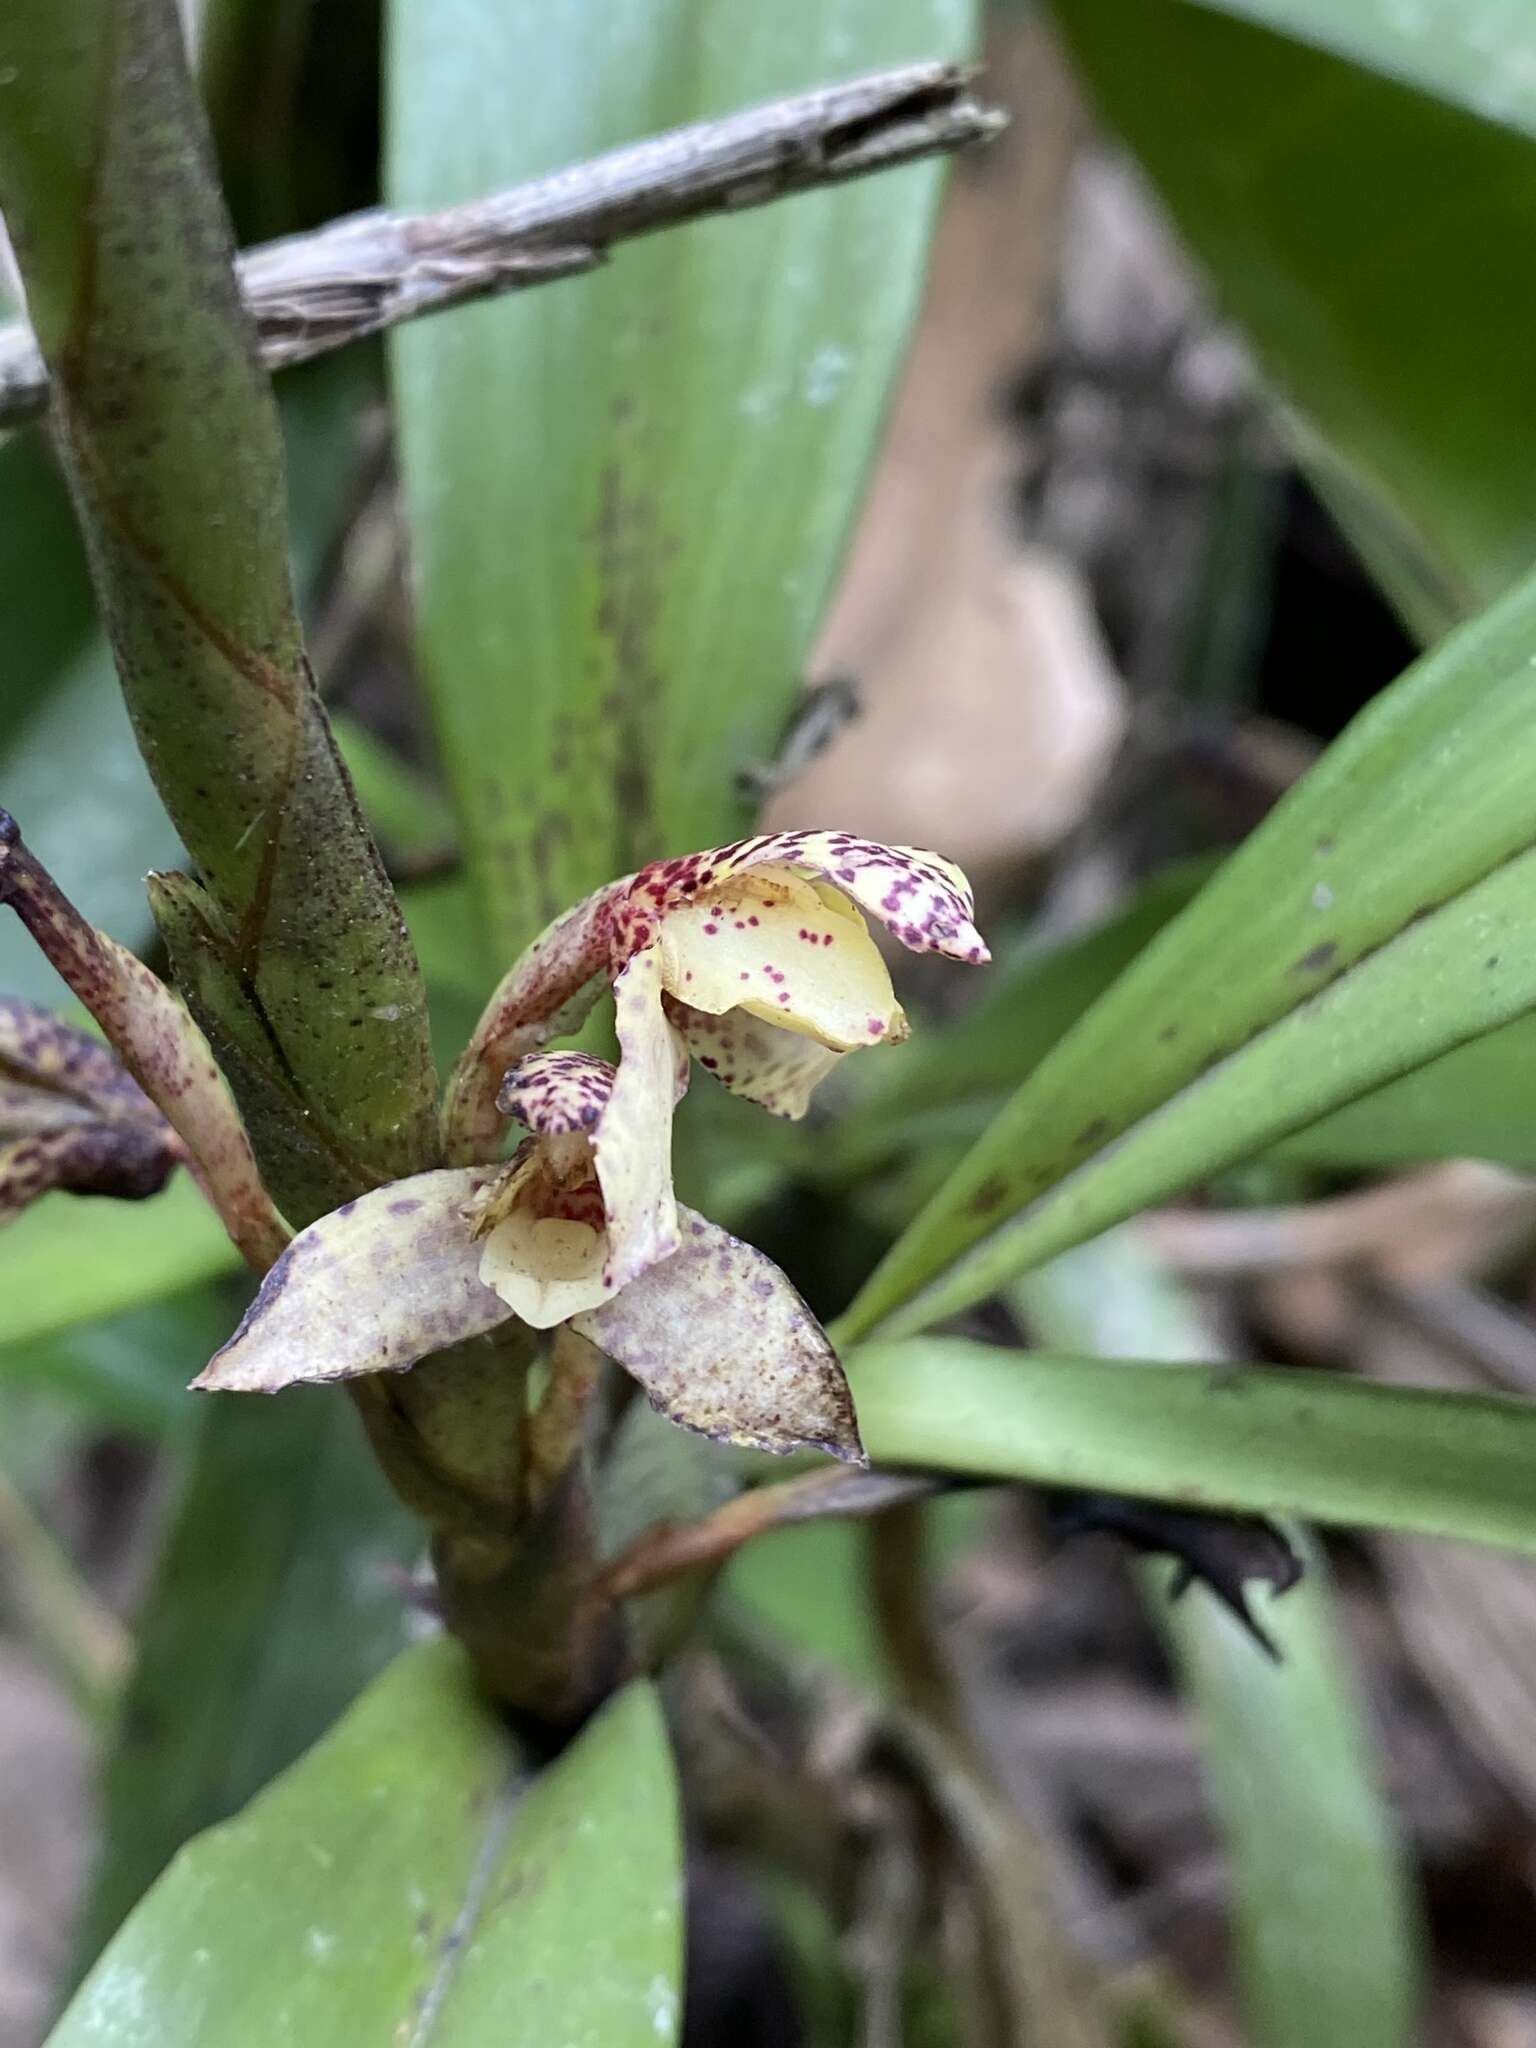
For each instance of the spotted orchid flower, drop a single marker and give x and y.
(755, 958)
(712, 1330)
(554, 1226)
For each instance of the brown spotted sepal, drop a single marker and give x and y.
(71, 1117)
(163, 1051)
(563, 1234)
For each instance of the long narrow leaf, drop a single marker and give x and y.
(1464, 51)
(1381, 915)
(1324, 1922)
(1370, 236)
(1252, 1438)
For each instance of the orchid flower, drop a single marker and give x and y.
(755, 957)
(712, 1330)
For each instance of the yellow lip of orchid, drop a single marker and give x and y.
(767, 969)
(581, 1211)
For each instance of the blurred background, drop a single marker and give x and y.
(1163, 498)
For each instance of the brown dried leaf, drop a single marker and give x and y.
(25, 1111)
(723, 1344)
(128, 1160)
(158, 1042)
(373, 1287)
(41, 1051)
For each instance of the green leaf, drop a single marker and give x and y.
(1325, 1937)
(935, 1093)
(1475, 1103)
(127, 1371)
(1257, 1439)
(628, 496)
(1324, 1922)
(75, 1258)
(1370, 238)
(1466, 51)
(171, 444)
(277, 1596)
(1028, 1002)
(408, 1882)
(1381, 915)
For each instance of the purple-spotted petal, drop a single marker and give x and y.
(555, 1092)
(780, 1070)
(768, 942)
(922, 899)
(722, 1343)
(632, 1139)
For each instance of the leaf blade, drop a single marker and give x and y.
(1285, 1744)
(392, 1885)
(1255, 1439)
(1291, 985)
(648, 576)
(1322, 195)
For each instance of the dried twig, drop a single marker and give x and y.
(316, 292)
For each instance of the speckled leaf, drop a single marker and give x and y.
(1327, 1945)
(723, 1344)
(628, 495)
(1256, 1439)
(372, 1287)
(170, 440)
(1384, 913)
(1370, 235)
(411, 1880)
(149, 1029)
